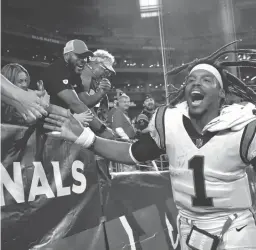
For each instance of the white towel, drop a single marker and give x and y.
(234, 117)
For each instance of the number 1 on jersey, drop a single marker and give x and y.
(197, 165)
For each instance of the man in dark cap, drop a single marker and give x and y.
(144, 117)
(62, 80)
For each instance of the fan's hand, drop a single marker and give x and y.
(84, 117)
(67, 128)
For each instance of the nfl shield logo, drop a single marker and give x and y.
(199, 142)
(65, 81)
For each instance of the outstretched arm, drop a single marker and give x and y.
(140, 151)
(72, 130)
(113, 150)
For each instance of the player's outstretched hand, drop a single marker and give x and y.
(67, 128)
(84, 117)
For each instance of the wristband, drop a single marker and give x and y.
(86, 139)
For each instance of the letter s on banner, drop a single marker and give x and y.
(61, 191)
(78, 177)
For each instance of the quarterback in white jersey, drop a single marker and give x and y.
(208, 153)
(208, 173)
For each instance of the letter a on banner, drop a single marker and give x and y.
(45, 188)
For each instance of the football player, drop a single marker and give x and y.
(209, 148)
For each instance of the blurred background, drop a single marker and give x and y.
(147, 37)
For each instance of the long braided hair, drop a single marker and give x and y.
(232, 84)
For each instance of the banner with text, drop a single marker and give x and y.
(56, 195)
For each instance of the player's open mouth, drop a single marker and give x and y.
(196, 97)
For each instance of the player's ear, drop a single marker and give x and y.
(222, 93)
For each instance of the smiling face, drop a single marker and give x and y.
(99, 70)
(17, 75)
(22, 80)
(124, 103)
(149, 103)
(203, 93)
(77, 63)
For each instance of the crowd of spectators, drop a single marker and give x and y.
(69, 81)
(37, 54)
(76, 81)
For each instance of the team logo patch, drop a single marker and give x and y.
(65, 81)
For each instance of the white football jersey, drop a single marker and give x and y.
(208, 179)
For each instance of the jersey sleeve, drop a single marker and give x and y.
(252, 153)
(252, 150)
(145, 149)
(148, 146)
(153, 131)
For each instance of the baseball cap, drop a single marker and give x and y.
(108, 64)
(148, 97)
(122, 94)
(78, 47)
(104, 57)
